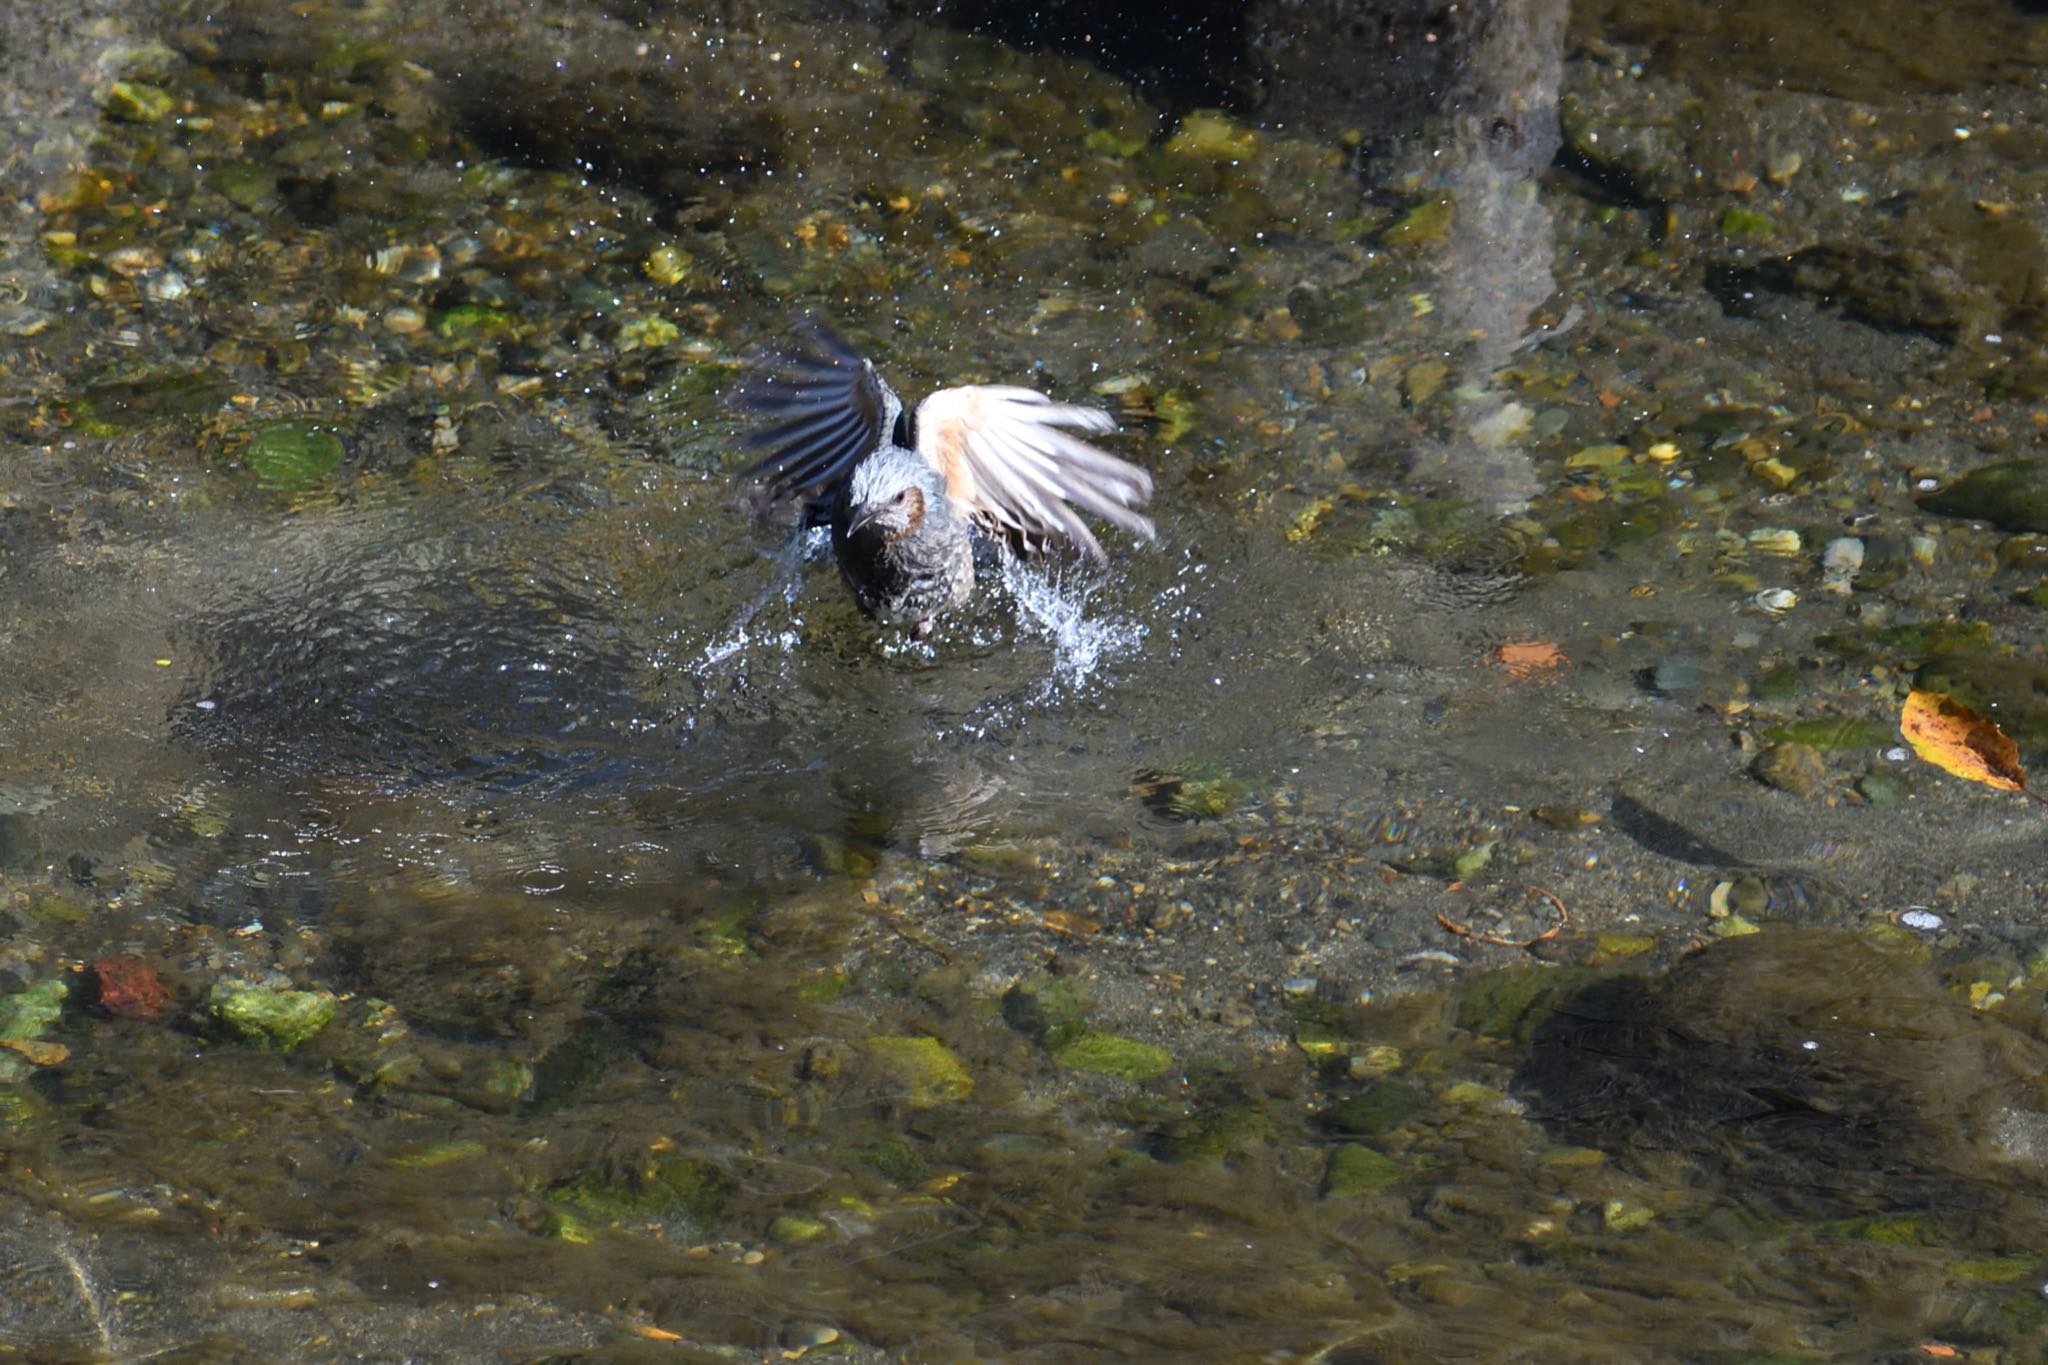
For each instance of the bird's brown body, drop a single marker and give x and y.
(903, 509)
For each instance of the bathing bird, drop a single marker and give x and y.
(907, 494)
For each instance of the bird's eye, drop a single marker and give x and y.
(904, 496)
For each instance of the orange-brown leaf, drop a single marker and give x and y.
(40, 1054)
(1530, 658)
(1957, 740)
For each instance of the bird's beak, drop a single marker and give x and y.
(862, 522)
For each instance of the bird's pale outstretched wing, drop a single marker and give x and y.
(827, 408)
(1008, 457)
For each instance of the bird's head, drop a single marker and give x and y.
(890, 494)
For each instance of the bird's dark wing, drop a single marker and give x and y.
(1006, 457)
(825, 406)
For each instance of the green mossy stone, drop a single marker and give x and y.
(467, 322)
(25, 1016)
(1378, 1108)
(1999, 1269)
(1745, 223)
(1037, 1008)
(792, 1230)
(1616, 947)
(927, 1070)
(1208, 133)
(1834, 733)
(1110, 1054)
(668, 264)
(2012, 495)
(248, 187)
(1421, 227)
(136, 102)
(1791, 767)
(893, 1159)
(1884, 1229)
(1356, 1170)
(291, 457)
(1909, 645)
(276, 1019)
(432, 1155)
(1511, 1003)
(678, 1192)
(565, 1226)
(1226, 1131)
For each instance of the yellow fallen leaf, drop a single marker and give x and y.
(1957, 740)
(40, 1054)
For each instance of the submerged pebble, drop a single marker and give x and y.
(1840, 562)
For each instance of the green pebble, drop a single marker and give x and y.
(791, 1230)
(927, 1070)
(565, 1226)
(667, 265)
(474, 321)
(1834, 733)
(1356, 1170)
(134, 102)
(647, 334)
(428, 1156)
(1625, 1215)
(1421, 227)
(268, 1018)
(25, 1015)
(1383, 1106)
(676, 1191)
(292, 456)
(2011, 495)
(1615, 947)
(247, 187)
(1999, 1269)
(1596, 457)
(1572, 1158)
(1884, 1229)
(1745, 223)
(1110, 1054)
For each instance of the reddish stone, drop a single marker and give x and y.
(130, 987)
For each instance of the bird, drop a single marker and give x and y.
(907, 493)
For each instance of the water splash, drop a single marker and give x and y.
(741, 635)
(1056, 610)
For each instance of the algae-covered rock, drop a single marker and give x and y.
(1834, 732)
(138, 102)
(469, 322)
(1039, 1007)
(1197, 791)
(265, 1016)
(291, 456)
(24, 1017)
(1227, 1130)
(1422, 227)
(1377, 1108)
(794, 1230)
(927, 1070)
(1791, 767)
(2011, 495)
(1109, 1053)
(1513, 1003)
(1355, 1170)
(682, 1195)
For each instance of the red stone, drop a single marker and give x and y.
(130, 988)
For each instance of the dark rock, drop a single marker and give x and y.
(1804, 1070)
(2012, 496)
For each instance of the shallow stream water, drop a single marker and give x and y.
(472, 888)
